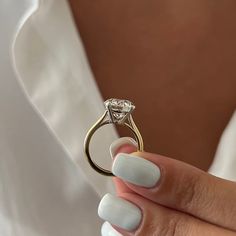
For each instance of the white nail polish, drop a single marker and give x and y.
(136, 170)
(108, 230)
(119, 212)
(120, 142)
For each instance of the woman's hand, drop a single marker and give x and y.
(161, 196)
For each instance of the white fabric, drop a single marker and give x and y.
(48, 100)
(224, 164)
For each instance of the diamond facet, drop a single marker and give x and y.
(119, 109)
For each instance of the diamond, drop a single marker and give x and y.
(119, 109)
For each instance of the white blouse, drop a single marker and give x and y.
(48, 100)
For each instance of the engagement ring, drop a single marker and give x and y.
(117, 111)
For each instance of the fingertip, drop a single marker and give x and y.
(108, 230)
(121, 187)
(124, 144)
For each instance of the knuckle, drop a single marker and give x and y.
(176, 227)
(188, 192)
(171, 225)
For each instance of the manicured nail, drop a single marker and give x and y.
(108, 230)
(119, 212)
(120, 142)
(136, 170)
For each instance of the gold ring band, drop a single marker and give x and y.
(125, 120)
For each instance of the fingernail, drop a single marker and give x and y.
(119, 212)
(108, 230)
(120, 142)
(136, 170)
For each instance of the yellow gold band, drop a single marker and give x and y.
(101, 122)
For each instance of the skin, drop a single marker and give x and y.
(178, 55)
(183, 202)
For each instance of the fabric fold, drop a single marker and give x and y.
(55, 75)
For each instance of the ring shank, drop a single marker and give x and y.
(131, 125)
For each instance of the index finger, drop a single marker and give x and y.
(179, 186)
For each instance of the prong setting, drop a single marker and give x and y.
(119, 110)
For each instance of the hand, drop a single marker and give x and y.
(165, 197)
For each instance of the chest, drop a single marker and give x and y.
(178, 68)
